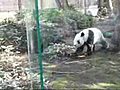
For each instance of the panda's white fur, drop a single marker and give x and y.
(98, 37)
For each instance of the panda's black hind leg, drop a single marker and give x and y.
(93, 47)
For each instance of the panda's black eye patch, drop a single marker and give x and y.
(78, 41)
(82, 34)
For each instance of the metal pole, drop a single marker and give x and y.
(39, 44)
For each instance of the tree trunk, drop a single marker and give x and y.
(117, 3)
(110, 6)
(118, 6)
(62, 4)
(41, 4)
(100, 4)
(58, 2)
(116, 35)
(66, 3)
(85, 6)
(19, 5)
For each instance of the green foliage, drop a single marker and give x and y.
(51, 15)
(13, 33)
(69, 16)
(50, 35)
(82, 21)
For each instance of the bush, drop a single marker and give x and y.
(50, 35)
(67, 16)
(51, 15)
(82, 21)
(13, 34)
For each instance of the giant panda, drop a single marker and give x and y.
(89, 37)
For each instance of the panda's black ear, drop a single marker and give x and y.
(75, 33)
(82, 34)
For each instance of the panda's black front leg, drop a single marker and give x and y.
(79, 49)
(89, 52)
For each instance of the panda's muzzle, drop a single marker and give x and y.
(75, 45)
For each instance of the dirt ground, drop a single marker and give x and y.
(98, 71)
(101, 70)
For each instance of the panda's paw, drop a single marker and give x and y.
(89, 53)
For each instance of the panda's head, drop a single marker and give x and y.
(79, 39)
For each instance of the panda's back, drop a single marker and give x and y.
(97, 35)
